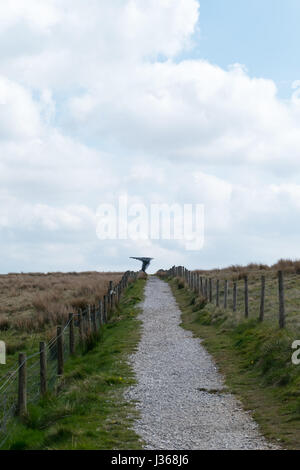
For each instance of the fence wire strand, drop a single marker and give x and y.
(9, 386)
(9, 382)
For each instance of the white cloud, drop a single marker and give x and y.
(38, 15)
(94, 102)
(19, 115)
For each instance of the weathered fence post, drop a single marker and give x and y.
(100, 313)
(43, 369)
(94, 323)
(60, 351)
(246, 297)
(105, 308)
(234, 300)
(71, 334)
(80, 327)
(262, 299)
(112, 293)
(89, 320)
(109, 297)
(218, 293)
(210, 290)
(281, 300)
(118, 296)
(22, 391)
(225, 294)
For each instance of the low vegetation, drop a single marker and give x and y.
(237, 271)
(90, 411)
(32, 305)
(291, 273)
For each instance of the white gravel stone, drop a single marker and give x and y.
(171, 366)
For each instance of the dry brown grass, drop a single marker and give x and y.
(36, 301)
(238, 272)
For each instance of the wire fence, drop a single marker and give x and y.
(35, 375)
(271, 297)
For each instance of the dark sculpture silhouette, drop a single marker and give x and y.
(146, 262)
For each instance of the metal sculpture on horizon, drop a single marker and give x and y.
(146, 262)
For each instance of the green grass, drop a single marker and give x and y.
(255, 359)
(291, 288)
(17, 342)
(90, 412)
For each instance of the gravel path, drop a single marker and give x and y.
(179, 392)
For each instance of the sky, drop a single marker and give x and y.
(261, 34)
(164, 101)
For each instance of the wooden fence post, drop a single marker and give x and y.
(71, 334)
(80, 327)
(43, 369)
(262, 299)
(118, 295)
(218, 293)
(94, 323)
(113, 294)
(89, 320)
(105, 308)
(281, 300)
(225, 294)
(100, 313)
(60, 351)
(210, 290)
(246, 294)
(110, 295)
(22, 389)
(234, 301)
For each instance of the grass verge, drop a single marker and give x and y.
(255, 360)
(90, 411)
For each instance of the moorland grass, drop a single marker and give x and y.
(90, 412)
(32, 305)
